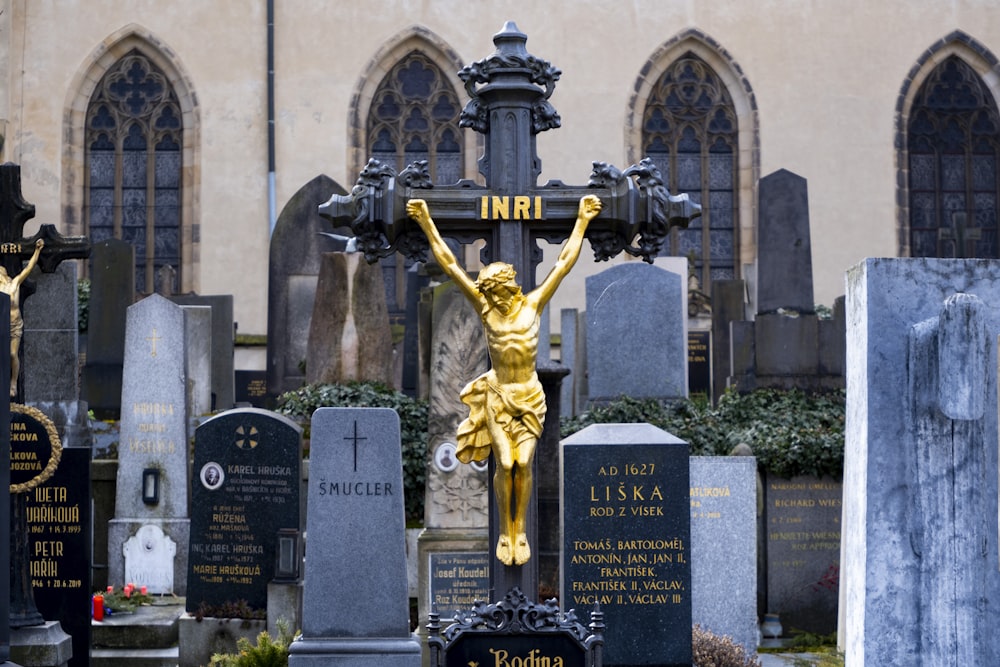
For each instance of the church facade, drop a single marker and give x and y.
(185, 127)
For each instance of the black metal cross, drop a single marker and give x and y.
(509, 104)
(15, 249)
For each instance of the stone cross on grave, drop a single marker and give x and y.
(15, 250)
(509, 105)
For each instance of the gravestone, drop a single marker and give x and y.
(627, 539)
(637, 332)
(700, 363)
(149, 536)
(59, 524)
(573, 355)
(293, 271)
(723, 547)
(349, 334)
(456, 498)
(223, 345)
(458, 580)
(784, 245)
(112, 291)
(728, 305)
(355, 608)
(517, 631)
(251, 388)
(198, 361)
(786, 345)
(59, 510)
(919, 577)
(245, 488)
(51, 353)
(802, 516)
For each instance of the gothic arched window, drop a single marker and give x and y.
(689, 129)
(414, 116)
(133, 156)
(953, 139)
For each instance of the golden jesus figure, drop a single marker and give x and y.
(506, 403)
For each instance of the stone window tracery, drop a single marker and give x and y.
(133, 165)
(690, 131)
(953, 142)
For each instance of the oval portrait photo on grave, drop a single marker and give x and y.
(212, 476)
(35, 448)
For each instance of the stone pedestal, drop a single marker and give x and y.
(44, 645)
(284, 603)
(200, 639)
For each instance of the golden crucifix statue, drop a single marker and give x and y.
(12, 286)
(506, 403)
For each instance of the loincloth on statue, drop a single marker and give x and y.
(519, 409)
(16, 329)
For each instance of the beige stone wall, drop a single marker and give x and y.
(826, 77)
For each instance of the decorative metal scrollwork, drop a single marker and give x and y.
(357, 206)
(664, 212)
(510, 55)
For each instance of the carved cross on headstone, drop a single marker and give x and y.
(509, 105)
(15, 249)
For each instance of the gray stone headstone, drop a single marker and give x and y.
(456, 501)
(349, 334)
(50, 349)
(50, 345)
(355, 609)
(802, 516)
(244, 489)
(154, 437)
(223, 345)
(293, 271)
(728, 305)
(724, 546)
(112, 291)
(784, 277)
(626, 534)
(572, 330)
(919, 577)
(636, 333)
(198, 359)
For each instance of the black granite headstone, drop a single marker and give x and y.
(59, 528)
(223, 335)
(802, 516)
(784, 276)
(626, 539)
(112, 291)
(251, 387)
(245, 488)
(700, 363)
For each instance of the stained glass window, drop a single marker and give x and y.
(414, 116)
(954, 144)
(133, 139)
(689, 130)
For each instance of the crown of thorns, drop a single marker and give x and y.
(493, 275)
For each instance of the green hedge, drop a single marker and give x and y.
(791, 432)
(302, 402)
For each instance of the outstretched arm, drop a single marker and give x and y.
(39, 244)
(590, 206)
(417, 209)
